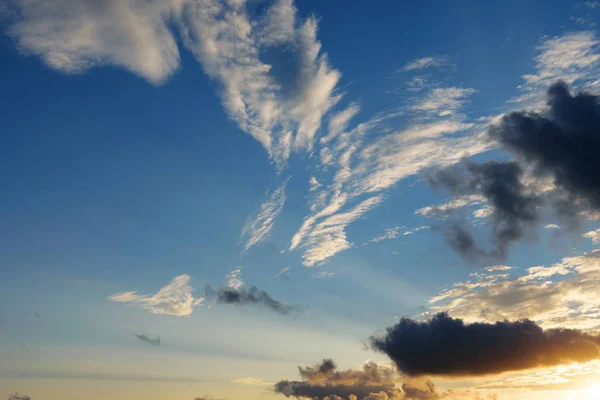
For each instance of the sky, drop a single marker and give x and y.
(270, 199)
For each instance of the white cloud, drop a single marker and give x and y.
(552, 226)
(594, 235)
(444, 101)
(325, 239)
(364, 168)
(339, 122)
(228, 38)
(388, 234)
(566, 292)
(173, 299)
(572, 57)
(234, 280)
(252, 382)
(258, 229)
(443, 210)
(415, 230)
(426, 62)
(313, 184)
(73, 36)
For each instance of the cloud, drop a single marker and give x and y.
(592, 4)
(561, 142)
(553, 173)
(563, 293)
(371, 382)
(594, 235)
(236, 292)
(173, 299)
(363, 171)
(444, 101)
(324, 379)
(209, 398)
(447, 346)
(415, 230)
(513, 210)
(551, 226)
(230, 39)
(314, 184)
(17, 396)
(258, 229)
(149, 340)
(388, 234)
(449, 208)
(252, 382)
(73, 36)
(284, 274)
(426, 62)
(572, 57)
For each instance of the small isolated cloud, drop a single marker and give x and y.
(323, 275)
(284, 274)
(594, 235)
(236, 292)
(252, 382)
(481, 348)
(257, 229)
(149, 340)
(444, 102)
(426, 62)
(173, 299)
(414, 230)
(552, 226)
(447, 209)
(388, 234)
(17, 396)
(209, 398)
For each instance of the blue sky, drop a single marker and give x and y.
(143, 142)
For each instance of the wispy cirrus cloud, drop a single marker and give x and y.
(426, 62)
(388, 234)
(257, 229)
(229, 39)
(173, 299)
(444, 101)
(573, 58)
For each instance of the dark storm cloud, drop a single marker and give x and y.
(562, 142)
(449, 347)
(514, 209)
(149, 340)
(559, 144)
(251, 295)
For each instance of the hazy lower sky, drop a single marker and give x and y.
(261, 199)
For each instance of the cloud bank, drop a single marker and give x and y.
(450, 347)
